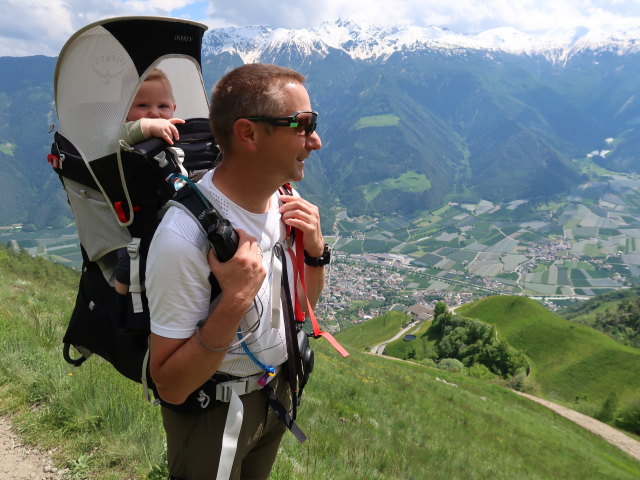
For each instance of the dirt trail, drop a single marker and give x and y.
(610, 434)
(20, 462)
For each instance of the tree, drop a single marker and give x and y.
(440, 307)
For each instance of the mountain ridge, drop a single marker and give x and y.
(374, 42)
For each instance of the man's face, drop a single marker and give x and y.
(153, 100)
(287, 148)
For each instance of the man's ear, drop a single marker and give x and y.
(244, 132)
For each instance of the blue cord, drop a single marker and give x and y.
(270, 370)
(175, 176)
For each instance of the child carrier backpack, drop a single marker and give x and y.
(116, 191)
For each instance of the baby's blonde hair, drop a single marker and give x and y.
(159, 75)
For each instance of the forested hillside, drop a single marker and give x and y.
(29, 191)
(615, 313)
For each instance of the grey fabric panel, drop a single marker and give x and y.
(98, 229)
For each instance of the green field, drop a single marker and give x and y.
(374, 331)
(7, 148)
(386, 120)
(411, 182)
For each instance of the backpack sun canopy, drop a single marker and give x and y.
(100, 69)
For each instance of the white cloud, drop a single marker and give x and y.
(30, 27)
(465, 16)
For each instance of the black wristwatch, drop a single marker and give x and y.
(318, 261)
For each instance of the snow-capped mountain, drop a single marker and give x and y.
(498, 115)
(501, 115)
(366, 42)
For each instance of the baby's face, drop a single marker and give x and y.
(153, 100)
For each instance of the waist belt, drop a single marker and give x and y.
(242, 385)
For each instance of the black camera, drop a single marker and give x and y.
(222, 237)
(307, 357)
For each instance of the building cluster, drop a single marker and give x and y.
(15, 227)
(380, 279)
(554, 250)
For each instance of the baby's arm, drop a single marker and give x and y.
(161, 128)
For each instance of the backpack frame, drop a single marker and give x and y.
(116, 193)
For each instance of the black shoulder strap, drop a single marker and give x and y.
(197, 204)
(294, 360)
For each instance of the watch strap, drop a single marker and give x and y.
(318, 261)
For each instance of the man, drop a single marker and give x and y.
(262, 119)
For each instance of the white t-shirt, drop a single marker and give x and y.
(177, 279)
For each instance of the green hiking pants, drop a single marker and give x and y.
(194, 439)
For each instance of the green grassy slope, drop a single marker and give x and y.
(366, 417)
(372, 417)
(373, 331)
(568, 361)
(420, 346)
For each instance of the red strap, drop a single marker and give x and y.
(120, 212)
(122, 216)
(298, 271)
(298, 263)
(321, 333)
(53, 160)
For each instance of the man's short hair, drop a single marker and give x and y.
(255, 89)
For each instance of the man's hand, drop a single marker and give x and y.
(241, 277)
(305, 216)
(299, 213)
(161, 128)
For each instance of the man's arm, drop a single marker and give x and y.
(179, 366)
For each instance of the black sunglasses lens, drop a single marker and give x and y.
(306, 123)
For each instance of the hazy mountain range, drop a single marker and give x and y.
(409, 117)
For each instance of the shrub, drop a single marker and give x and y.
(517, 382)
(629, 418)
(608, 411)
(429, 362)
(451, 365)
(478, 370)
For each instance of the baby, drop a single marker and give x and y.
(150, 115)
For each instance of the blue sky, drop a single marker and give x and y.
(31, 27)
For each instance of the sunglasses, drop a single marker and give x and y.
(303, 122)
